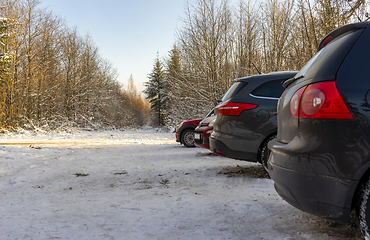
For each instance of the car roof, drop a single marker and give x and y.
(340, 31)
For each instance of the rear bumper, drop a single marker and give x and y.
(300, 180)
(203, 140)
(178, 135)
(220, 148)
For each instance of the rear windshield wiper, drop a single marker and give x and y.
(289, 81)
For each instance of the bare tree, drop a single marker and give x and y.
(207, 46)
(53, 78)
(277, 19)
(247, 40)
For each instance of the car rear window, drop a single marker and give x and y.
(234, 89)
(327, 61)
(272, 89)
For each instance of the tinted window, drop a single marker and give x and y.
(234, 89)
(271, 89)
(327, 61)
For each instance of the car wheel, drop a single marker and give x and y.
(265, 151)
(187, 138)
(363, 208)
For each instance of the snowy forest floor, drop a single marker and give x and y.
(141, 184)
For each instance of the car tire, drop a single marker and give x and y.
(265, 151)
(363, 208)
(187, 138)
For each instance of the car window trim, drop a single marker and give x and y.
(270, 98)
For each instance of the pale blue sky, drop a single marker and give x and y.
(128, 33)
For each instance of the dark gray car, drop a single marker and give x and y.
(246, 117)
(320, 160)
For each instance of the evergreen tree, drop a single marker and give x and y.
(137, 109)
(6, 84)
(156, 91)
(174, 66)
(131, 88)
(173, 72)
(5, 57)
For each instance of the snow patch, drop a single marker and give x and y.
(141, 184)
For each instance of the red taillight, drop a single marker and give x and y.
(234, 109)
(295, 102)
(326, 41)
(320, 101)
(220, 152)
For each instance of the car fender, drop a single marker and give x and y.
(362, 175)
(263, 141)
(183, 128)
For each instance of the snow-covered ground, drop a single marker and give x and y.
(141, 185)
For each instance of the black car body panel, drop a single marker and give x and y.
(355, 71)
(317, 163)
(241, 136)
(324, 68)
(307, 172)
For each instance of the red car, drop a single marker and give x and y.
(185, 133)
(203, 131)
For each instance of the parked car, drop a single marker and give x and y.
(246, 117)
(320, 160)
(204, 130)
(185, 133)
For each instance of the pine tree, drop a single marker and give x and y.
(131, 88)
(174, 66)
(156, 91)
(6, 84)
(5, 57)
(177, 92)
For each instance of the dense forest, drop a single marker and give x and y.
(221, 40)
(52, 78)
